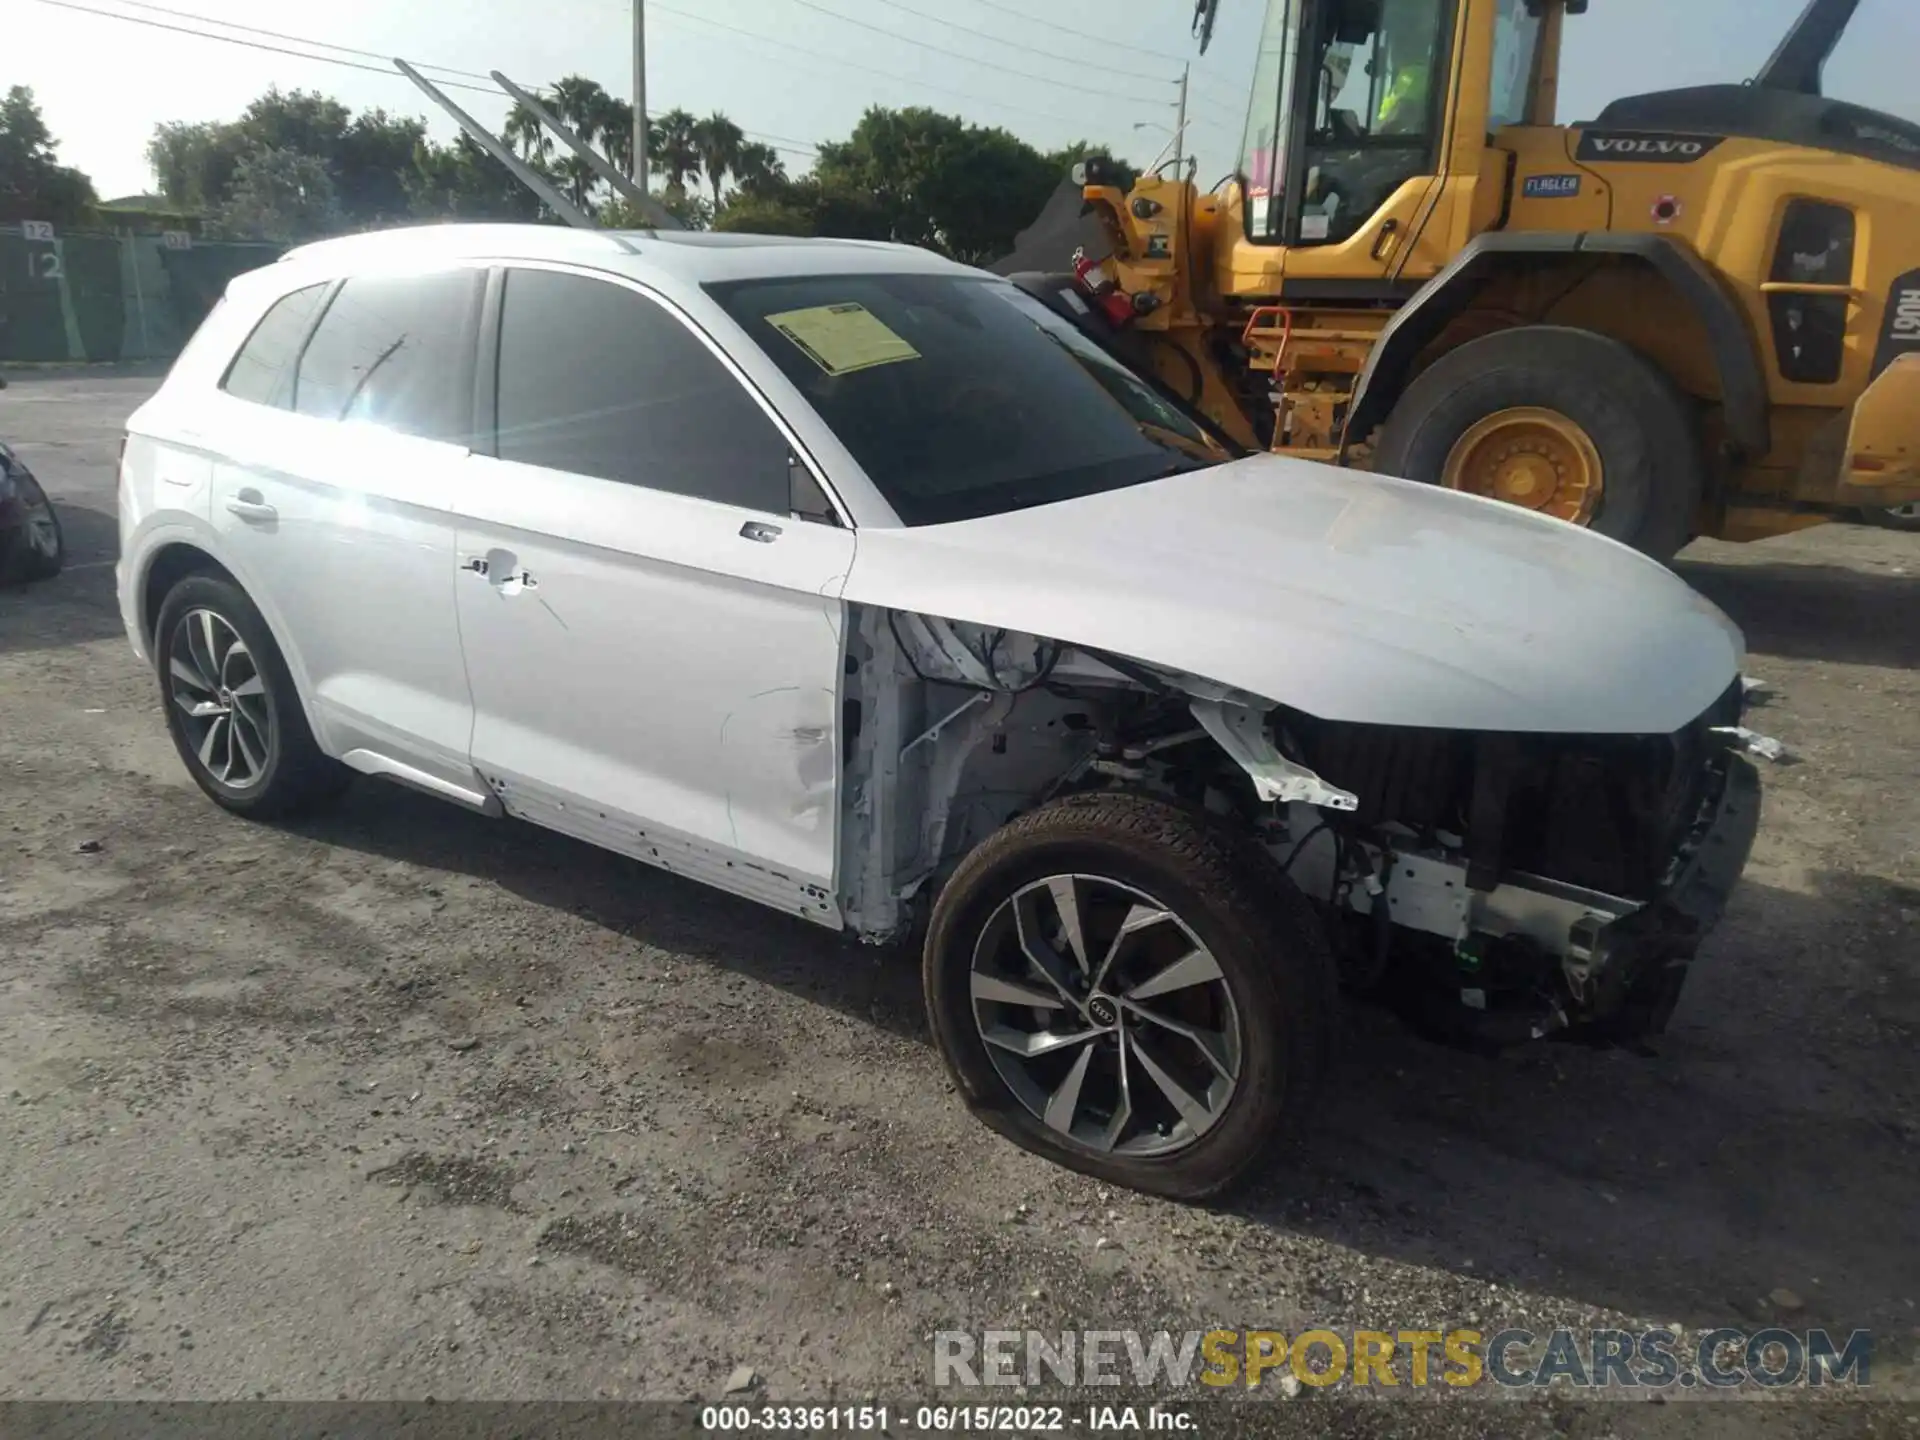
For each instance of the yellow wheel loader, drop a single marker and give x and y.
(1697, 314)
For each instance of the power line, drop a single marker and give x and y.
(249, 44)
(654, 8)
(1106, 94)
(278, 35)
(1016, 45)
(787, 142)
(1080, 35)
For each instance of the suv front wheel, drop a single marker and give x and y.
(231, 705)
(1128, 988)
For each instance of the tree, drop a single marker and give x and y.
(371, 165)
(582, 106)
(527, 135)
(807, 206)
(615, 125)
(759, 170)
(965, 190)
(192, 163)
(366, 157)
(279, 194)
(673, 151)
(763, 214)
(34, 185)
(462, 182)
(718, 140)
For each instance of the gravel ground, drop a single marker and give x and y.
(402, 1102)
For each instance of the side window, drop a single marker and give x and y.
(396, 351)
(1516, 53)
(257, 371)
(598, 380)
(1374, 118)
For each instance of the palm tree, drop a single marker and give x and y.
(673, 151)
(615, 124)
(758, 168)
(525, 133)
(581, 105)
(718, 141)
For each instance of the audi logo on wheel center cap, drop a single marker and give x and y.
(1103, 1011)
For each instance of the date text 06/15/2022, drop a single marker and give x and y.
(948, 1419)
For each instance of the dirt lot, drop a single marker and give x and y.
(404, 1102)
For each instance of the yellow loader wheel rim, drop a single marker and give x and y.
(1535, 458)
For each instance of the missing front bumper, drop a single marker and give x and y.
(1629, 971)
(1532, 956)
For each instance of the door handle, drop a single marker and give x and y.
(502, 570)
(252, 509)
(761, 531)
(1385, 240)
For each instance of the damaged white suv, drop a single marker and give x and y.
(864, 585)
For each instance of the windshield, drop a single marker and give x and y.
(961, 396)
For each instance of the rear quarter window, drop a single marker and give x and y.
(260, 370)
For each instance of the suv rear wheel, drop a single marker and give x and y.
(231, 705)
(1130, 989)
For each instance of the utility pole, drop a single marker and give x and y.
(1179, 126)
(640, 94)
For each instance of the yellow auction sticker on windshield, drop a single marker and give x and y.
(842, 338)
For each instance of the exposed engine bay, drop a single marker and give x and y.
(1498, 886)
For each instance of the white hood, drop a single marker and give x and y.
(1346, 595)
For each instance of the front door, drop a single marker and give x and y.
(654, 639)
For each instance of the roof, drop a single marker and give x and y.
(158, 203)
(692, 257)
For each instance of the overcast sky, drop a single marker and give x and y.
(796, 71)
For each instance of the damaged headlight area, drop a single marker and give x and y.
(1505, 886)
(1496, 886)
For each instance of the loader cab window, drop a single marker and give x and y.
(1263, 153)
(1359, 85)
(1516, 59)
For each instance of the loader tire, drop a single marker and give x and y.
(1561, 421)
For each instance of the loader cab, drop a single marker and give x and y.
(1350, 124)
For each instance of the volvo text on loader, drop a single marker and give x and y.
(1697, 314)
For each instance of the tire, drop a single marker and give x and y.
(24, 554)
(1652, 461)
(1275, 986)
(289, 771)
(1901, 517)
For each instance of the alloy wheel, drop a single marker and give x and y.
(1532, 457)
(1106, 1016)
(215, 685)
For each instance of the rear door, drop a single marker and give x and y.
(334, 498)
(653, 634)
